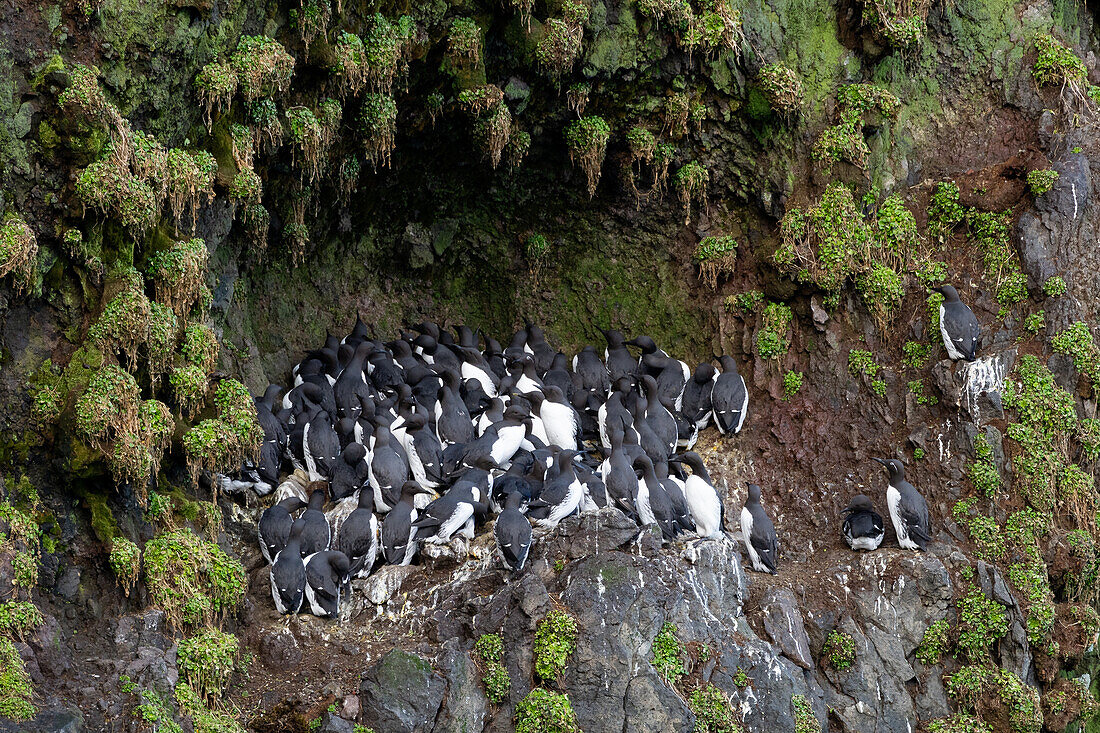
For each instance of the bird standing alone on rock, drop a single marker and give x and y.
(759, 534)
(959, 327)
(908, 509)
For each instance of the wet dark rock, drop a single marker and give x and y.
(465, 707)
(335, 724)
(48, 720)
(279, 650)
(142, 629)
(783, 622)
(68, 583)
(401, 692)
(651, 705)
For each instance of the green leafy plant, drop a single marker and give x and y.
(1035, 322)
(691, 181)
(207, 660)
(125, 561)
(746, 302)
(555, 641)
(543, 711)
(668, 655)
(713, 712)
(792, 383)
(377, 128)
(464, 42)
(839, 651)
(192, 580)
(18, 252)
(782, 88)
(935, 643)
(1018, 701)
(772, 341)
(804, 719)
(982, 621)
(16, 693)
(587, 142)
(716, 257)
(1077, 341)
(490, 651)
(263, 67)
(1054, 286)
(1041, 181)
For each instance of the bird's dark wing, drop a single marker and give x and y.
(913, 510)
(765, 542)
(321, 579)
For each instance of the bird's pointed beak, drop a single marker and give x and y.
(879, 460)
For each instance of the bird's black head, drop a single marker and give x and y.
(859, 503)
(948, 292)
(704, 373)
(893, 466)
(754, 493)
(645, 343)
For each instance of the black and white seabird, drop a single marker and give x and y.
(398, 545)
(695, 405)
(316, 533)
(702, 498)
(761, 542)
(908, 509)
(591, 372)
(729, 398)
(959, 327)
(448, 515)
(288, 573)
(358, 536)
(274, 526)
(561, 493)
(388, 469)
(513, 532)
(620, 362)
(424, 451)
(326, 576)
(350, 472)
(862, 526)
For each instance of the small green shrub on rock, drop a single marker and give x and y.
(982, 621)
(713, 712)
(490, 650)
(989, 690)
(16, 692)
(555, 641)
(207, 660)
(668, 655)
(804, 719)
(192, 580)
(125, 561)
(587, 142)
(18, 252)
(839, 651)
(773, 340)
(263, 67)
(935, 643)
(782, 88)
(543, 711)
(1054, 286)
(1041, 181)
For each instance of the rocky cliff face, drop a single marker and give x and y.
(1004, 449)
